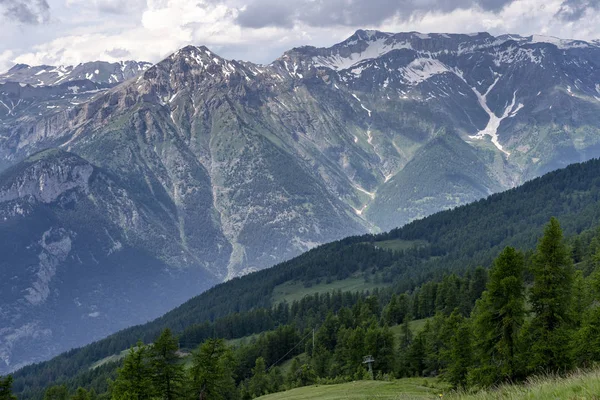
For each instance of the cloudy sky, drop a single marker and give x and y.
(72, 31)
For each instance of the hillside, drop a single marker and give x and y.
(579, 385)
(450, 241)
(241, 166)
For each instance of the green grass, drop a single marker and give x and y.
(295, 291)
(580, 385)
(109, 359)
(410, 388)
(399, 245)
(415, 327)
(243, 340)
(287, 365)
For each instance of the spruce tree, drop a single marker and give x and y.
(81, 394)
(498, 319)
(293, 373)
(134, 378)
(211, 372)
(166, 366)
(379, 343)
(6, 388)
(259, 384)
(56, 392)
(459, 354)
(587, 339)
(406, 338)
(551, 296)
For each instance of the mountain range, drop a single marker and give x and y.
(154, 184)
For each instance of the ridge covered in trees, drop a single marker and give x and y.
(444, 249)
(533, 313)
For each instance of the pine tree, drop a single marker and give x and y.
(460, 354)
(294, 373)
(477, 284)
(379, 343)
(56, 392)
(212, 371)
(392, 312)
(6, 388)
(416, 354)
(275, 379)
(551, 297)
(167, 369)
(259, 384)
(406, 338)
(587, 339)
(81, 394)
(134, 378)
(498, 319)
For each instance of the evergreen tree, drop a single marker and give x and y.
(379, 343)
(460, 354)
(582, 298)
(587, 339)
(6, 388)
(56, 392)
(406, 338)
(498, 319)
(166, 366)
(211, 372)
(259, 384)
(392, 312)
(549, 334)
(416, 354)
(275, 379)
(134, 378)
(81, 394)
(477, 284)
(294, 373)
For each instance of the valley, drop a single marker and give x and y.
(413, 285)
(128, 188)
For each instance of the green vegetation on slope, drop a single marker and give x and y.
(408, 388)
(580, 385)
(296, 291)
(456, 241)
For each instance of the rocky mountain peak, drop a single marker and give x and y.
(102, 72)
(46, 176)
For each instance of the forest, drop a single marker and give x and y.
(533, 312)
(436, 274)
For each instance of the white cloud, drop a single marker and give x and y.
(150, 30)
(6, 60)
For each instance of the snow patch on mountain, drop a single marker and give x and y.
(494, 122)
(375, 48)
(422, 69)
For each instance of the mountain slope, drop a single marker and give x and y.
(449, 241)
(71, 247)
(244, 165)
(354, 115)
(97, 71)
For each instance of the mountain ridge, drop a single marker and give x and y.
(447, 242)
(231, 167)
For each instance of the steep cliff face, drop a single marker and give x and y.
(206, 168)
(80, 257)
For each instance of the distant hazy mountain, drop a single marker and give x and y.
(215, 167)
(96, 71)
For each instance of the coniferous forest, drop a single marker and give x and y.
(498, 289)
(531, 313)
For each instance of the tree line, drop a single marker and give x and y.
(451, 242)
(534, 312)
